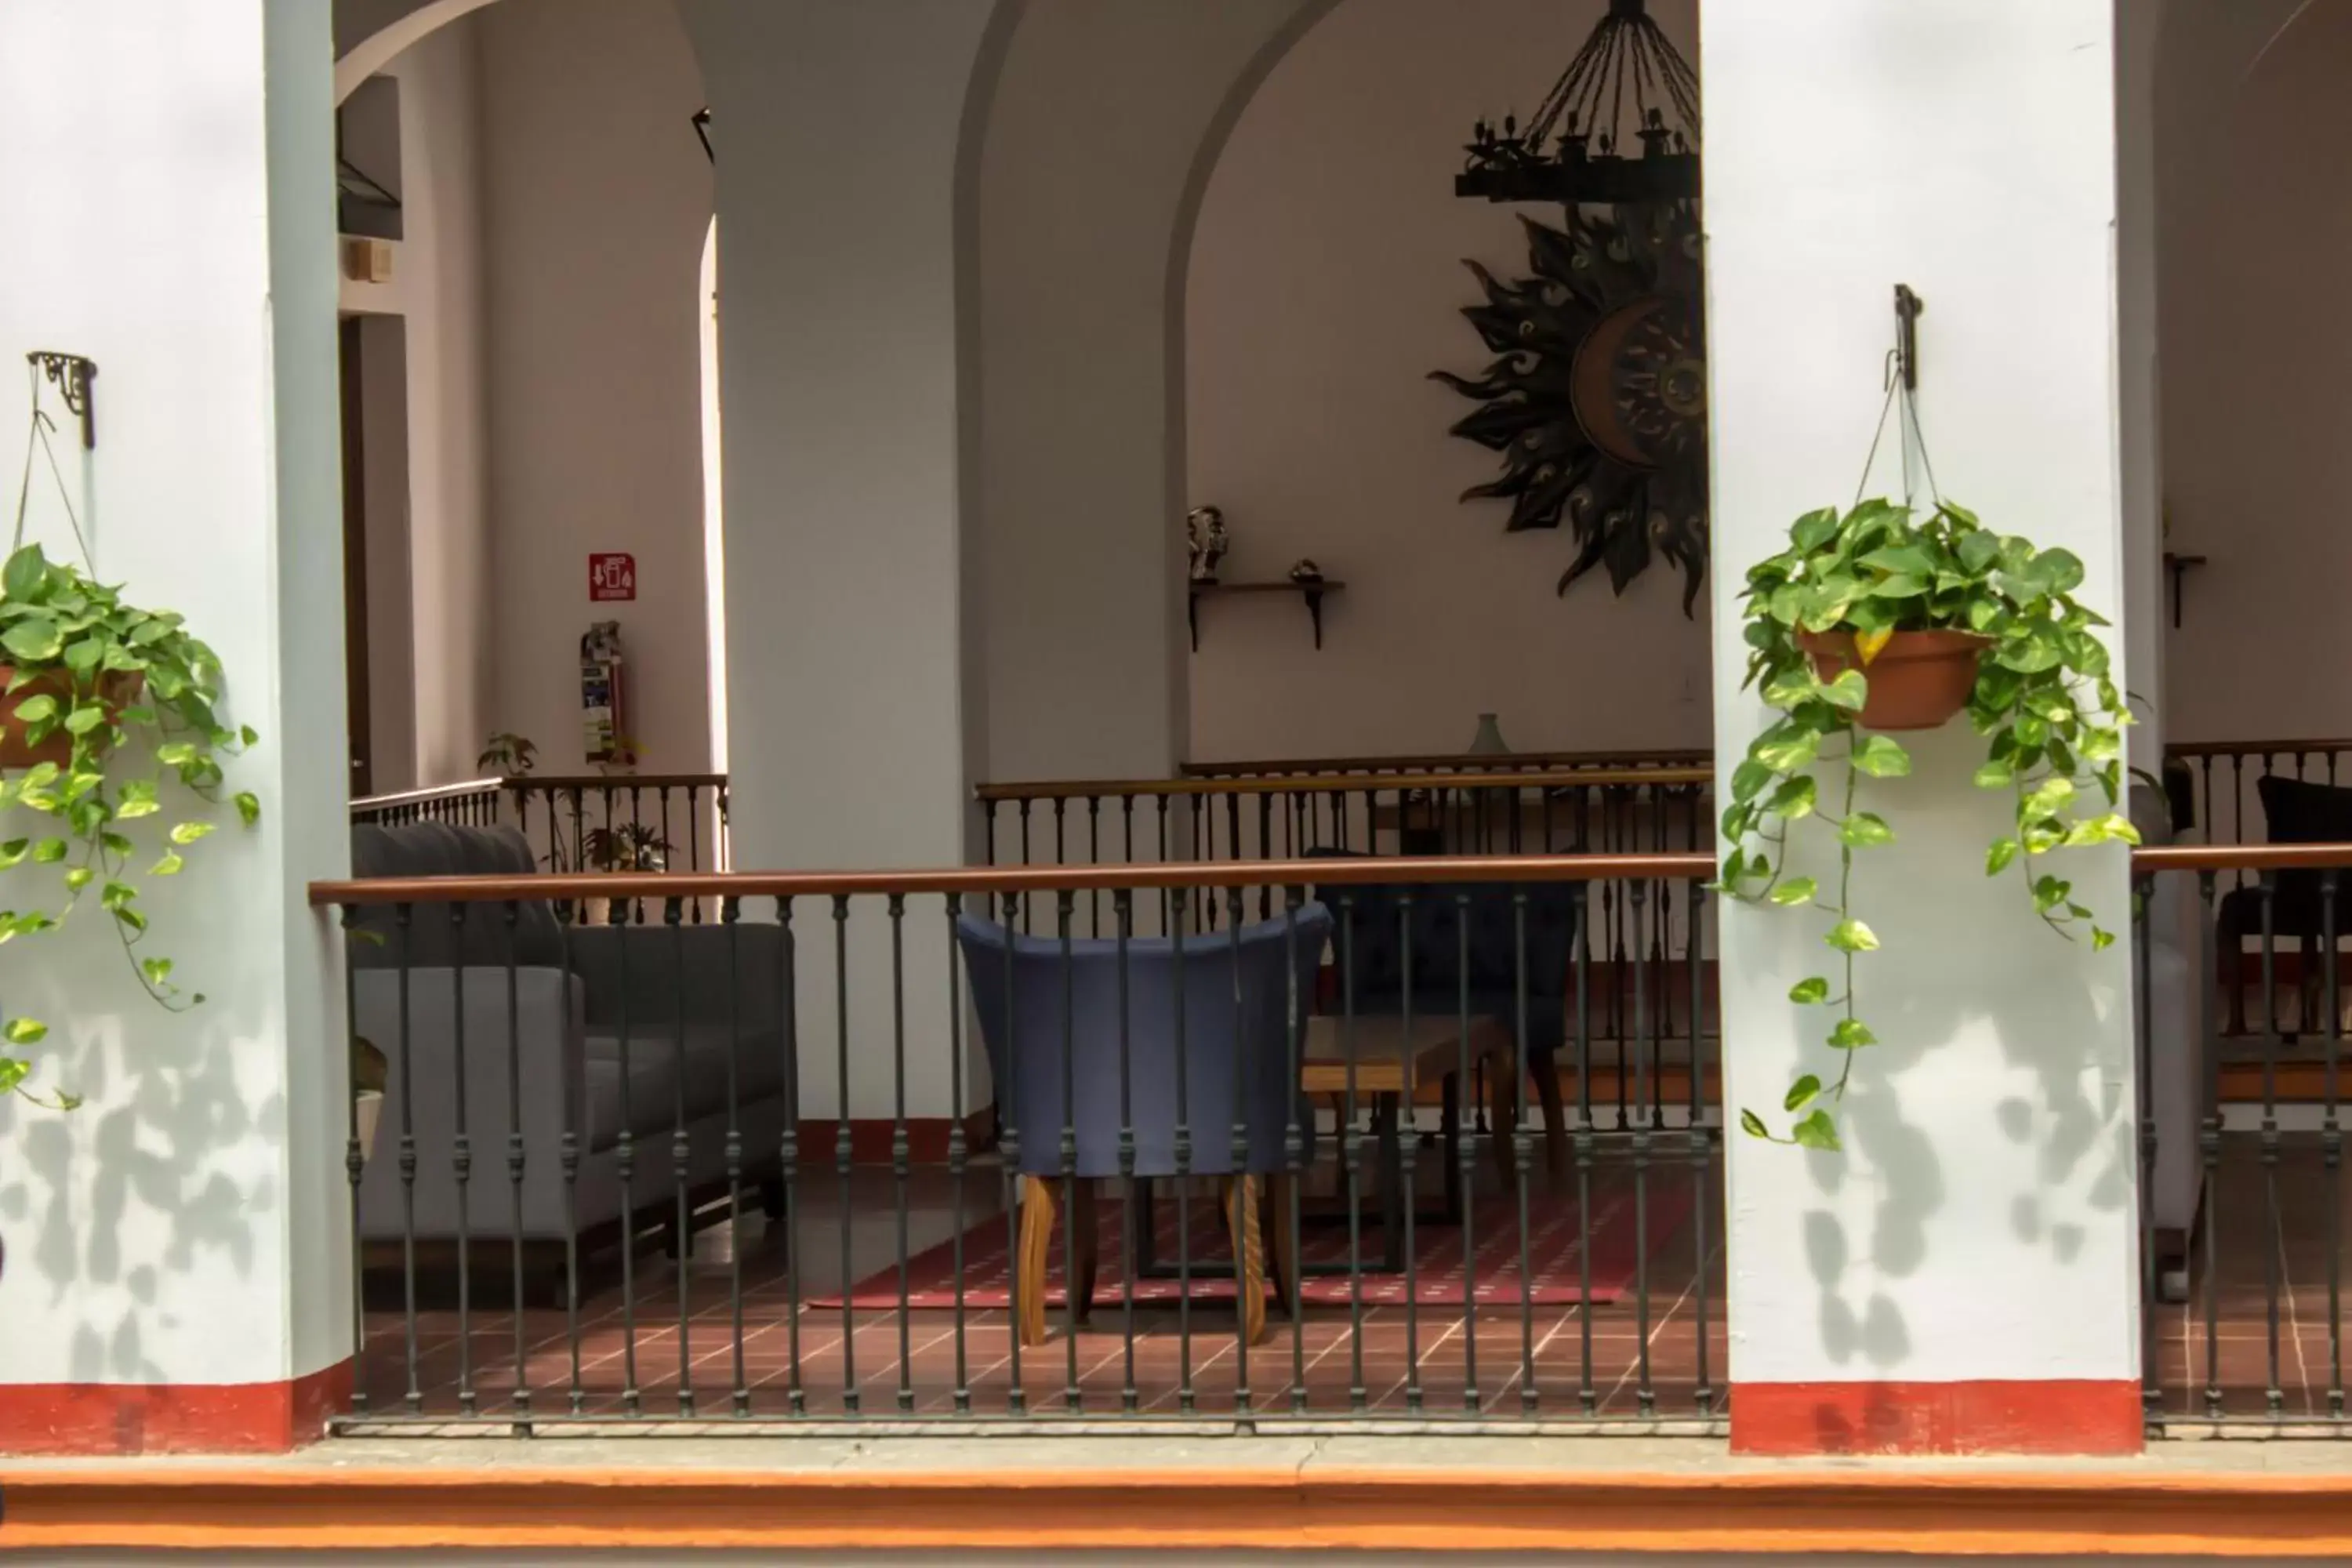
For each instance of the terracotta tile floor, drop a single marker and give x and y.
(629, 1356)
(629, 1344)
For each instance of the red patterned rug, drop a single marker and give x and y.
(1556, 1241)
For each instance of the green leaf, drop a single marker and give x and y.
(2101, 939)
(1901, 585)
(174, 754)
(248, 807)
(1790, 753)
(1864, 830)
(2056, 571)
(27, 575)
(155, 970)
(14, 1072)
(1900, 560)
(1996, 775)
(1801, 1093)
(36, 710)
(82, 657)
(85, 718)
(1814, 530)
(1851, 1034)
(1748, 779)
(33, 640)
(1999, 858)
(1805, 992)
(1849, 691)
(1753, 1125)
(248, 736)
(1852, 936)
(117, 895)
(26, 1031)
(1817, 1132)
(78, 877)
(1882, 758)
(50, 851)
(2050, 892)
(187, 833)
(2047, 796)
(1794, 891)
(169, 866)
(1792, 800)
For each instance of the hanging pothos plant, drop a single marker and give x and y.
(101, 704)
(1855, 590)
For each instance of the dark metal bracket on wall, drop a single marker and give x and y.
(1908, 307)
(73, 376)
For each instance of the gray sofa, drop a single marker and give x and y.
(620, 1036)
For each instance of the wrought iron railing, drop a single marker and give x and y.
(478, 803)
(2240, 1010)
(650, 822)
(911, 1171)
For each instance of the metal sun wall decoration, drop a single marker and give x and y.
(1597, 397)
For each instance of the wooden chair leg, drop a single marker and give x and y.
(1086, 1245)
(1036, 1243)
(1241, 1195)
(1282, 1242)
(1545, 1069)
(1502, 1094)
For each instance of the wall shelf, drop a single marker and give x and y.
(1311, 592)
(2175, 565)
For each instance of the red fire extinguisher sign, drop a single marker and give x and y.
(612, 577)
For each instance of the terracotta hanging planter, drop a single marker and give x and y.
(116, 691)
(1918, 680)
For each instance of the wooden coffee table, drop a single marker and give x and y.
(1394, 1061)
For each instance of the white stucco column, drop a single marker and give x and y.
(1962, 1276)
(176, 1268)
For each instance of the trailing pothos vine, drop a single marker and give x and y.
(2043, 698)
(86, 666)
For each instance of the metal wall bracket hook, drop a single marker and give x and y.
(72, 376)
(1908, 307)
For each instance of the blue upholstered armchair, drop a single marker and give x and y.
(1055, 1043)
(1369, 939)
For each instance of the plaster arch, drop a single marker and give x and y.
(381, 46)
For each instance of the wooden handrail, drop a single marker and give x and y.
(1416, 870)
(615, 783)
(1663, 756)
(1342, 784)
(1412, 870)
(426, 796)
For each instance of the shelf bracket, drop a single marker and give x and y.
(72, 376)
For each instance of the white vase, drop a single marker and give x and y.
(1488, 742)
(367, 1108)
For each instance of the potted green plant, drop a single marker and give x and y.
(104, 704)
(621, 848)
(508, 755)
(1877, 618)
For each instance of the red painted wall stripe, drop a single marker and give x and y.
(2057, 1416)
(171, 1419)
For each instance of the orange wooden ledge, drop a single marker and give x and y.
(2089, 1512)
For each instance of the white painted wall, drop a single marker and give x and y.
(596, 197)
(1326, 277)
(1082, 368)
(1989, 1171)
(186, 1224)
(436, 289)
(390, 595)
(2256, 341)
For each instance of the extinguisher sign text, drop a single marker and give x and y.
(612, 577)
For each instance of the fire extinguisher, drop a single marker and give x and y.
(604, 694)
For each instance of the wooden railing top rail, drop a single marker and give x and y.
(1342, 784)
(1412, 870)
(597, 782)
(2189, 749)
(425, 796)
(1664, 756)
(1661, 756)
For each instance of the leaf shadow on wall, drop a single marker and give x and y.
(107, 1204)
(1889, 1154)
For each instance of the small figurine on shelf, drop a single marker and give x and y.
(1204, 528)
(1304, 573)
